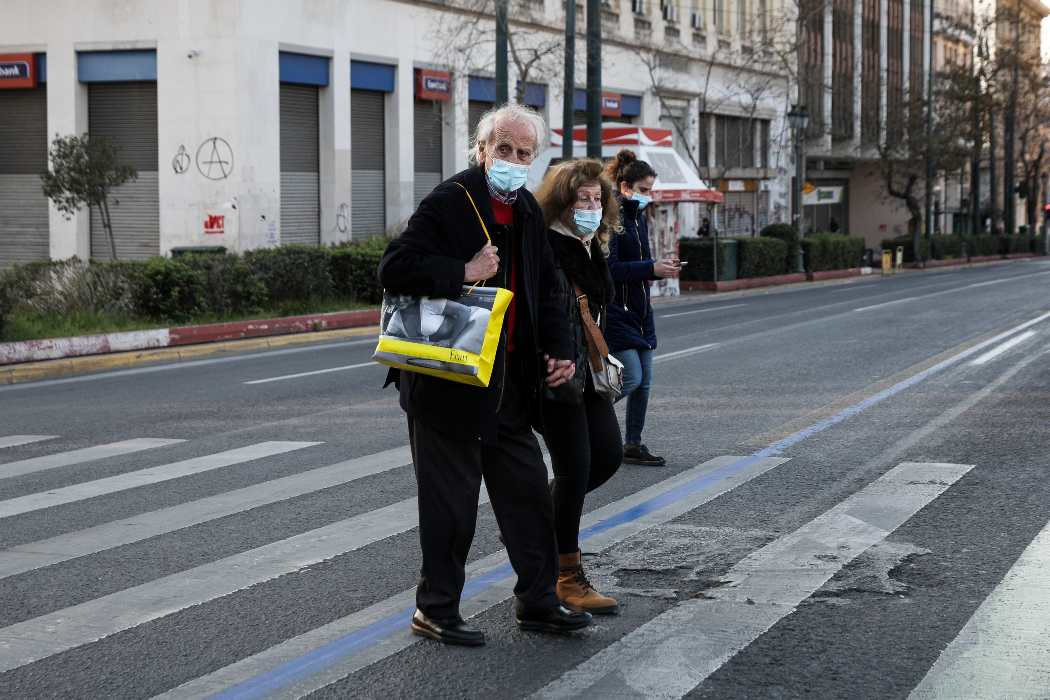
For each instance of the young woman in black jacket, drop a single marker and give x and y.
(579, 426)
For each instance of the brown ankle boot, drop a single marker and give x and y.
(576, 592)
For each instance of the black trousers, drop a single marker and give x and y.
(586, 450)
(448, 474)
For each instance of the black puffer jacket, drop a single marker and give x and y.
(592, 274)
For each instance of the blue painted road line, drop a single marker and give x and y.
(330, 653)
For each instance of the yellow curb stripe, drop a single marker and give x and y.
(80, 366)
(772, 437)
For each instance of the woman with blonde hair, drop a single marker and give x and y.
(579, 426)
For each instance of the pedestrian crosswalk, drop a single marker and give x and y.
(696, 636)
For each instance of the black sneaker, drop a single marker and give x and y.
(639, 454)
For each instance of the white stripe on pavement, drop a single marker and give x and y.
(701, 311)
(335, 666)
(1003, 652)
(44, 636)
(35, 555)
(682, 353)
(996, 352)
(888, 303)
(670, 655)
(87, 454)
(319, 371)
(142, 477)
(15, 440)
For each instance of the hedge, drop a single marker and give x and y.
(788, 234)
(698, 253)
(760, 257)
(292, 272)
(949, 246)
(354, 269)
(832, 251)
(230, 285)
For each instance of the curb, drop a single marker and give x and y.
(836, 274)
(969, 260)
(107, 343)
(749, 283)
(80, 366)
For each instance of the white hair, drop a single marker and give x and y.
(512, 113)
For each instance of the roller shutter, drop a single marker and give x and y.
(23, 206)
(126, 114)
(368, 162)
(475, 110)
(737, 215)
(300, 179)
(428, 127)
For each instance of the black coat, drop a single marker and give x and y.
(428, 259)
(592, 274)
(631, 323)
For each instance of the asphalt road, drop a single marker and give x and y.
(874, 551)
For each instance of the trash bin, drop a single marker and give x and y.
(731, 258)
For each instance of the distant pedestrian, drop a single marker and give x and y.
(579, 426)
(833, 225)
(705, 228)
(632, 333)
(460, 433)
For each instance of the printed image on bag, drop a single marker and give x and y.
(455, 340)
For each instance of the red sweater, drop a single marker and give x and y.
(505, 216)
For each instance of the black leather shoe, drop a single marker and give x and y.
(554, 619)
(640, 454)
(451, 630)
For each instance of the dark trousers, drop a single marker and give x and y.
(585, 448)
(449, 473)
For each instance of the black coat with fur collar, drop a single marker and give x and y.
(592, 274)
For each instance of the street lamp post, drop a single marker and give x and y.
(798, 119)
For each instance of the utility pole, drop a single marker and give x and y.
(1009, 132)
(568, 99)
(929, 142)
(502, 88)
(594, 78)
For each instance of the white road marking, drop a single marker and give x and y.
(14, 440)
(50, 634)
(996, 352)
(87, 454)
(851, 288)
(701, 311)
(1003, 651)
(888, 303)
(319, 371)
(336, 668)
(670, 655)
(683, 353)
(142, 477)
(34, 555)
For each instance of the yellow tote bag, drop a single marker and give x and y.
(454, 340)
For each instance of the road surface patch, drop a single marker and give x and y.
(15, 440)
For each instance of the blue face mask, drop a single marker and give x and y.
(641, 199)
(587, 220)
(507, 177)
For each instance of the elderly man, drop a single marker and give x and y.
(460, 433)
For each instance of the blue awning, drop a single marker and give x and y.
(372, 76)
(630, 105)
(579, 99)
(535, 95)
(113, 66)
(41, 67)
(303, 69)
(481, 89)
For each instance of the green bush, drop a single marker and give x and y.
(1008, 245)
(698, 252)
(292, 272)
(981, 245)
(355, 267)
(7, 302)
(788, 234)
(1035, 244)
(946, 246)
(70, 286)
(832, 251)
(891, 244)
(229, 284)
(760, 257)
(169, 290)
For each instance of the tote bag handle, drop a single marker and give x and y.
(482, 228)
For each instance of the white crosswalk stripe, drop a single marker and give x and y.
(15, 440)
(87, 454)
(142, 477)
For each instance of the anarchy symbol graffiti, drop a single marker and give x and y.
(342, 218)
(181, 161)
(215, 159)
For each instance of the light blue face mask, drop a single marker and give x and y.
(507, 177)
(642, 200)
(587, 220)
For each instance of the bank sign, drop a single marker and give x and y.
(17, 70)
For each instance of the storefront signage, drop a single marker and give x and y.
(823, 195)
(17, 70)
(738, 186)
(612, 104)
(433, 85)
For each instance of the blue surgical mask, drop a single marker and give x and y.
(587, 220)
(507, 177)
(641, 199)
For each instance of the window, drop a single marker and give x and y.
(734, 142)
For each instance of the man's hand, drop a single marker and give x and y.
(559, 371)
(665, 268)
(482, 266)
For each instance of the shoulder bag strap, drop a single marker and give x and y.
(482, 228)
(595, 342)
